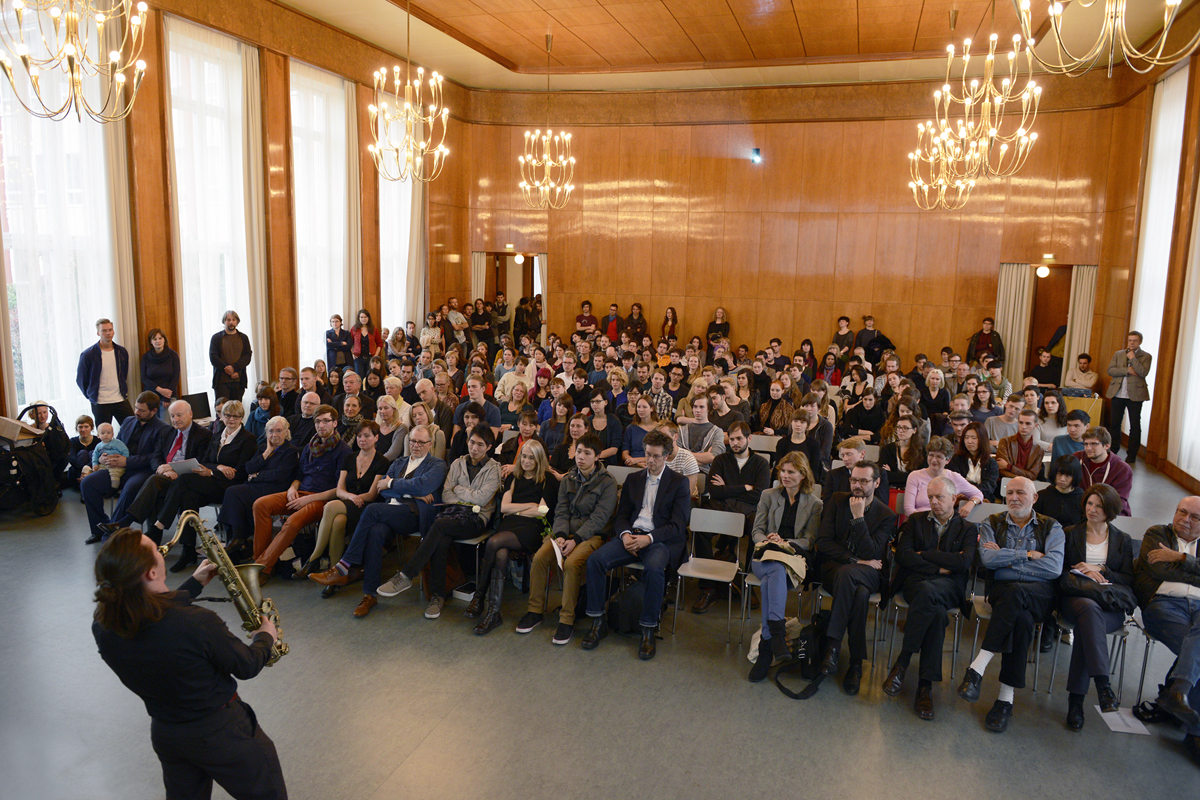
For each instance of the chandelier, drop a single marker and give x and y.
(1113, 39)
(995, 139)
(547, 166)
(74, 38)
(938, 166)
(408, 139)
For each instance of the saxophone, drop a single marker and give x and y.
(241, 582)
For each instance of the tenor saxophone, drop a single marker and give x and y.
(241, 582)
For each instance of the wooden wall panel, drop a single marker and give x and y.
(368, 178)
(282, 325)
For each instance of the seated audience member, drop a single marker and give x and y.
(1045, 373)
(1063, 499)
(510, 409)
(1032, 396)
(472, 416)
(651, 525)
(433, 394)
(1052, 419)
(935, 398)
(938, 455)
(935, 553)
(557, 389)
(1071, 442)
(775, 415)
(608, 428)
(787, 513)
(720, 413)
(579, 390)
(108, 445)
(310, 383)
(411, 490)
(223, 465)
(395, 390)
(902, 456)
(470, 492)
(527, 430)
(632, 451)
(1018, 455)
(82, 445)
(586, 499)
(1081, 376)
(422, 416)
(995, 379)
(563, 457)
(528, 503)
(141, 433)
(357, 485)
(392, 430)
(301, 425)
(266, 406)
(819, 431)
(907, 405)
(865, 420)
(554, 429)
(1022, 552)
(973, 460)
(1101, 466)
(664, 403)
(1103, 554)
(956, 424)
(348, 424)
(736, 481)
(352, 387)
(983, 403)
(188, 440)
(475, 394)
(271, 470)
(314, 484)
(701, 437)
(1005, 425)
(855, 546)
(850, 452)
(1167, 581)
(681, 460)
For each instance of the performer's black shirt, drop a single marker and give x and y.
(183, 666)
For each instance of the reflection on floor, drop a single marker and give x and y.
(396, 706)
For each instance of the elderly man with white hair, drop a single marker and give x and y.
(1167, 583)
(1022, 552)
(935, 552)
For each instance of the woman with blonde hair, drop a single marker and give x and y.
(390, 422)
(530, 495)
(421, 415)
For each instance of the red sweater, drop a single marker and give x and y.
(1113, 471)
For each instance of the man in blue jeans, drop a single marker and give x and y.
(1167, 582)
(411, 489)
(651, 523)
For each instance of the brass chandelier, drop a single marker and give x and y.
(937, 168)
(74, 38)
(547, 166)
(408, 131)
(1113, 39)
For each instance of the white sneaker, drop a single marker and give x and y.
(434, 610)
(399, 583)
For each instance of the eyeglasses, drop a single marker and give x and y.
(415, 442)
(231, 416)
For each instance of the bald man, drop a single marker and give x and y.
(1022, 554)
(1167, 582)
(302, 425)
(186, 439)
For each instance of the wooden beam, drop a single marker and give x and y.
(284, 347)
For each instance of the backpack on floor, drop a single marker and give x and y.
(625, 609)
(806, 657)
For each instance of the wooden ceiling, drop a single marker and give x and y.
(646, 35)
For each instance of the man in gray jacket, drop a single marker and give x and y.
(1127, 390)
(587, 499)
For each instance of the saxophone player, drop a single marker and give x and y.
(183, 662)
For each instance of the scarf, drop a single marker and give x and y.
(351, 425)
(318, 447)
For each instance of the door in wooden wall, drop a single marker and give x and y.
(1051, 304)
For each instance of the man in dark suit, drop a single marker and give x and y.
(229, 352)
(856, 530)
(352, 387)
(141, 433)
(850, 451)
(651, 526)
(187, 439)
(935, 551)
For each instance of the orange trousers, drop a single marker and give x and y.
(266, 549)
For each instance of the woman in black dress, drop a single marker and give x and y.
(160, 370)
(530, 494)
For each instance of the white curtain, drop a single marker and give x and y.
(478, 275)
(1079, 316)
(354, 283)
(208, 168)
(59, 271)
(1183, 445)
(540, 272)
(1158, 217)
(319, 163)
(395, 224)
(253, 181)
(1014, 304)
(416, 296)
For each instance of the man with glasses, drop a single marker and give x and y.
(855, 548)
(410, 491)
(1101, 466)
(302, 426)
(651, 521)
(1127, 390)
(1166, 577)
(289, 394)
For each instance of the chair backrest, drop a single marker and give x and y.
(508, 434)
(621, 473)
(1136, 527)
(837, 462)
(815, 491)
(1037, 485)
(725, 523)
(985, 510)
(702, 483)
(761, 443)
(873, 453)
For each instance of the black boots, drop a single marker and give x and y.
(778, 641)
(495, 592)
(762, 664)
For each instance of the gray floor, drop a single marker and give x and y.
(396, 706)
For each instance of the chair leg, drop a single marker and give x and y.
(895, 627)
(1037, 655)
(1145, 663)
(957, 642)
(743, 611)
(729, 615)
(678, 599)
(1054, 664)
(1121, 678)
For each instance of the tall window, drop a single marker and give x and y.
(395, 220)
(1158, 215)
(59, 270)
(319, 160)
(210, 192)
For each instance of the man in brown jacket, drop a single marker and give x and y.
(1127, 390)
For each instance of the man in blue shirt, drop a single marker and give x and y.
(1071, 442)
(1023, 553)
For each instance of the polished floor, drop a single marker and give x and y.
(397, 706)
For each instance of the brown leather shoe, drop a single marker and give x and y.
(707, 598)
(331, 577)
(365, 605)
(924, 703)
(894, 681)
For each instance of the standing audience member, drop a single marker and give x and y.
(339, 345)
(103, 376)
(1127, 390)
(160, 369)
(985, 340)
(229, 353)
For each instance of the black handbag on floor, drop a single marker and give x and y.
(806, 658)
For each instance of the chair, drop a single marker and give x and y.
(985, 510)
(762, 443)
(872, 453)
(1135, 527)
(1150, 642)
(508, 434)
(621, 473)
(724, 523)
(874, 600)
(1037, 485)
(1116, 650)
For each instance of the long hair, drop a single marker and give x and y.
(983, 448)
(1060, 418)
(122, 603)
(370, 322)
(542, 465)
